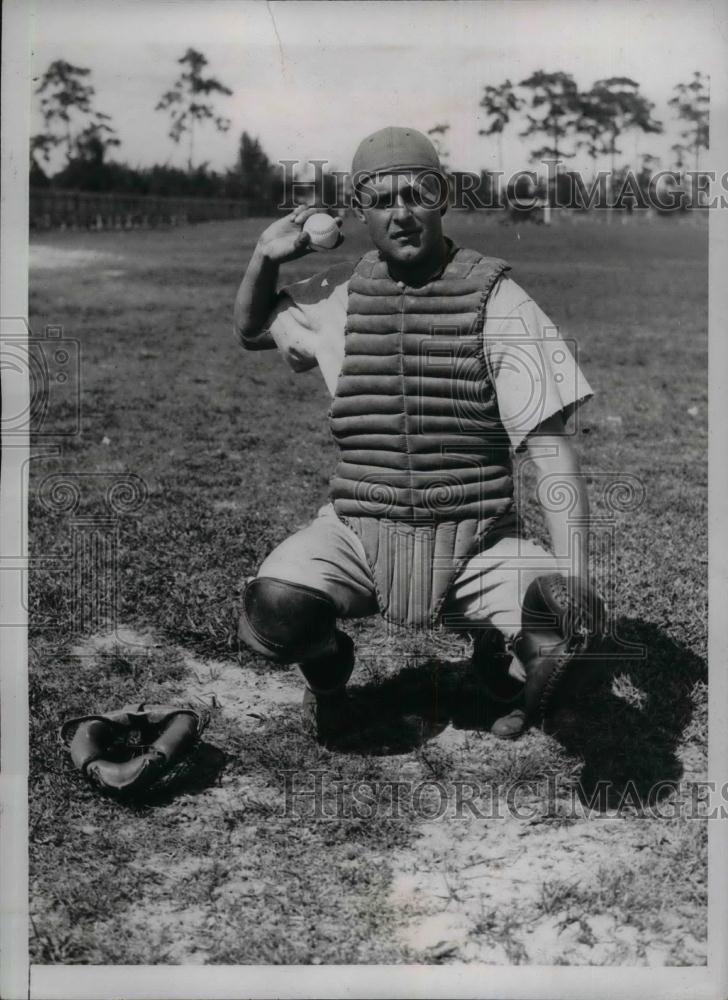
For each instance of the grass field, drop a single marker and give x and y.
(138, 601)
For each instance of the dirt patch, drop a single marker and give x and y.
(497, 886)
(240, 693)
(48, 258)
(128, 639)
(478, 891)
(552, 889)
(220, 684)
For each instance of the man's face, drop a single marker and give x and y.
(403, 215)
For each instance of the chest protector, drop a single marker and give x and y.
(424, 468)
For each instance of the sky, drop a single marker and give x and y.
(310, 79)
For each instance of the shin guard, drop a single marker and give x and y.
(287, 622)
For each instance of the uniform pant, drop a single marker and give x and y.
(328, 556)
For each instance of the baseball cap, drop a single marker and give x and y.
(394, 149)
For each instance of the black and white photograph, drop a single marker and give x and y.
(356, 537)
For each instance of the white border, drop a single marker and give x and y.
(407, 981)
(13, 479)
(718, 517)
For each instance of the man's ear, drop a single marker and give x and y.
(445, 195)
(358, 210)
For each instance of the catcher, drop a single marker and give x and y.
(440, 367)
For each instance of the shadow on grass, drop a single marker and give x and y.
(196, 774)
(623, 739)
(633, 741)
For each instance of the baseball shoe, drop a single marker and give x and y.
(511, 726)
(547, 659)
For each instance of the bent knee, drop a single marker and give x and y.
(285, 621)
(565, 603)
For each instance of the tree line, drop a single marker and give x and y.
(562, 120)
(546, 107)
(567, 119)
(85, 137)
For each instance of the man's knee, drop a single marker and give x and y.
(286, 622)
(566, 605)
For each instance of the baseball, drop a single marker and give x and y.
(323, 231)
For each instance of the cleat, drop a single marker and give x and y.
(511, 726)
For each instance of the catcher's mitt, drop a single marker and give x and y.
(578, 613)
(133, 750)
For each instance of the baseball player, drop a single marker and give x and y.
(440, 367)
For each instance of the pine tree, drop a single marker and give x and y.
(186, 101)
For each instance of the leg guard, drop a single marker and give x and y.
(491, 661)
(328, 712)
(287, 622)
(562, 620)
(331, 671)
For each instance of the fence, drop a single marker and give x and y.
(55, 209)
(51, 208)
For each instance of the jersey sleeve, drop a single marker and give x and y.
(306, 309)
(535, 369)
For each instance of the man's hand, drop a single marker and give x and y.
(285, 239)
